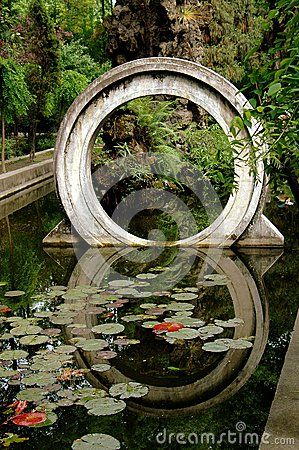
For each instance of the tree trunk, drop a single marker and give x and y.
(33, 142)
(11, 254)
(3, 144)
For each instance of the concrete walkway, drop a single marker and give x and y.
(22, 174)
(24, 161)
(282, 428)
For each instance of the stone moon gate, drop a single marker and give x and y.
(240, 223)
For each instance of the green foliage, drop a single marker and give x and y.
(153, 116)
(276, 101)
(235, 29)
(209, 149)
(21, 267)
(71, 84)
(77, 70)
(15, 98)
(74, 56)
(42, 70)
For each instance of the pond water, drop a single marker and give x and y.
(202, 333)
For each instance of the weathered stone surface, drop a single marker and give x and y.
(20, 179)
(282, 430)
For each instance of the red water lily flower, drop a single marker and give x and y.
(29, 419)
(168, 327)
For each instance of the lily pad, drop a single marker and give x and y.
(14, 294)
(120, 283)
(189, 322)
(6, 337)
(114, 305)
(144, 294)
(64, 402)
(127, 291)
(213, 279)
(141, 284)
(237, 344)
(211, 329)
(55, 294)
(8, 355)
(98, 300)
(230, 323)
(62, 319)
(105, 406)
(58, 288)
(77, 340)
(108, 328)
(215, 347)
(106, 354)
(31, 394)
(136, 317)
(90, 290)
(101, 367)
(148, 305)
(183, 333)
(44, 365)
(25, 330)
(65, 349)
(92, 345)
(174, 306)
(183, 313)
(34, 339)
(191, 289)
(184, 296)
(43, 314)
(146, 276)
(74, 296)
(8, 373)
(128, 390)
(52, 331)
(96, 441)
(39, 379)
(150, 324)
(125, 342)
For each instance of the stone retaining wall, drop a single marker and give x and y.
(20, 179)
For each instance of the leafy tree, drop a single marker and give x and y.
(74, 56)
(71, 84)
(276, 95)
(82, 20)
(15, 97)
(42, 62)
(77, 70)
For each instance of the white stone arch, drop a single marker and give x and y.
(240, 222)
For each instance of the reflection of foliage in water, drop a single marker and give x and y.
(21, 269)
